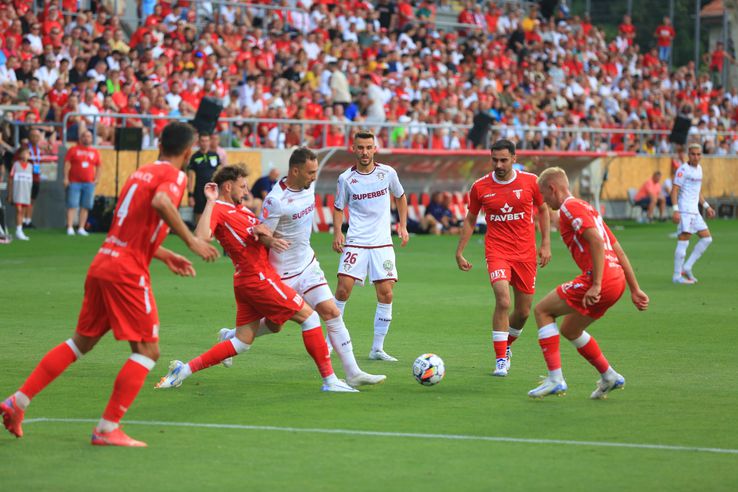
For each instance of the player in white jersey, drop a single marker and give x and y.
(686, 195)
(288, 210)
(367, 249)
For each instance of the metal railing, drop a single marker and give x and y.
(400, 135)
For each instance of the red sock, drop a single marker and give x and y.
(511, 339)
(500, 349)
(215, 355)
(318, 350)
(54, 363)
(591, 351)
(127, 385)
(551, 352)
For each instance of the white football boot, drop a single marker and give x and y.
(549, 387)
(500, 368)
(173, 378)
(364, 378)
(605, 386)
(339, 386)
(381, 355)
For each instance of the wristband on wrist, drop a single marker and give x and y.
(675, 207)
(705, 204)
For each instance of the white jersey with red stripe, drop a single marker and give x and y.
(289, 213)
(367, 197)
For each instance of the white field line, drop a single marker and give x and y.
(450, 437)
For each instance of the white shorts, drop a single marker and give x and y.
(311, 284)
(691, 223)
(379, 263)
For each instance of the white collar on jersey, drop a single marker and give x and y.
(494, 178)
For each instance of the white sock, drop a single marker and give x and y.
(231, 333)
(186, 371)
(22, 400)
(18, 228)
(547, 331)
(610, 374)
(341, 341)
(26, 221)
(313, 321)
(106, 426)
(679, 255)
(699, 248)
(583, 340)
(556, 375)
(341, 305)
(382, 320)
(330, 379)
(239, 346)
(514, 332)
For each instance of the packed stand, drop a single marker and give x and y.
(515, 75)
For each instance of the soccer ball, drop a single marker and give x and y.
(428, 369)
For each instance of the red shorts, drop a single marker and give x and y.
(520, 274)
(266, 298)
(129, 309)
(573, 293)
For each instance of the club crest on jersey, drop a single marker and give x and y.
(380, 176)
(388, 265)
(517, 193)
(576, 224)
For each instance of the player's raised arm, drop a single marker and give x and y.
(168, 212)
(597, 250)
(203, 230)
(639, 298)
(467, 229)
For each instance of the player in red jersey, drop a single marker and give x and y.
(118, 292)
(605, 271)
(508, 198)
(260, 292)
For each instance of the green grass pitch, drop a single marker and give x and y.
(679, 359)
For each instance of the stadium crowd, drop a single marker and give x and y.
(376, 62)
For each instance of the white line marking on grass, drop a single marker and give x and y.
(451, 437)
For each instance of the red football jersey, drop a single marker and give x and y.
(233, 227)
(508, 209)
(575, 216)
(137, 230)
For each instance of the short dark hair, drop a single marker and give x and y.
(300, 156)
(502, 145)
(229, 173)
(364, 134)
(176, 138)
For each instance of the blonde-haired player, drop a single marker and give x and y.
(605, 271)
(686, 195)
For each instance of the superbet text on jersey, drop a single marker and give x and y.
(291, 213)
(367, 197)
(508, 210)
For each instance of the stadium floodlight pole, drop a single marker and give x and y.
(726, 66)
(671, 18)
(697, 4)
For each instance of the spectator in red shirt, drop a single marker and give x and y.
(627, 30)
(81, 174)
(716, 59)
(665, 35)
